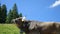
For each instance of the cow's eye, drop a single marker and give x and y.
(16, 21)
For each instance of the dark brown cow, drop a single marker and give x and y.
(36, 27)
(46, 27)
(22, 25)
(49, 28)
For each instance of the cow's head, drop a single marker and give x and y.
(21, 22)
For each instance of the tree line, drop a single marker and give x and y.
(13, 13)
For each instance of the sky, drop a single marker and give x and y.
(40, 10)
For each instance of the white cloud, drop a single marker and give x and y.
(56, 3)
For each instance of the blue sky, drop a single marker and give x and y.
(40, 10)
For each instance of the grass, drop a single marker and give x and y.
(9, 29)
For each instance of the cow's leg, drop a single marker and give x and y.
(26, 32)
(21, 31)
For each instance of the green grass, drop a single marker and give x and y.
(9, 29)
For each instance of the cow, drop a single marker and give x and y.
(37, 27)
(22, 24)
(45, 27)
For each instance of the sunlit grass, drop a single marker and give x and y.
(9, 29)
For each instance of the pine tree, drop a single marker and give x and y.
(9, 17)
(15, 12)
(20, 15)
(3, 13)
(0, 14)
(12, 14)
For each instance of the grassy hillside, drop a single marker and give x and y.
(8, 29)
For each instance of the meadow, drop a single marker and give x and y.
(9, 29)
